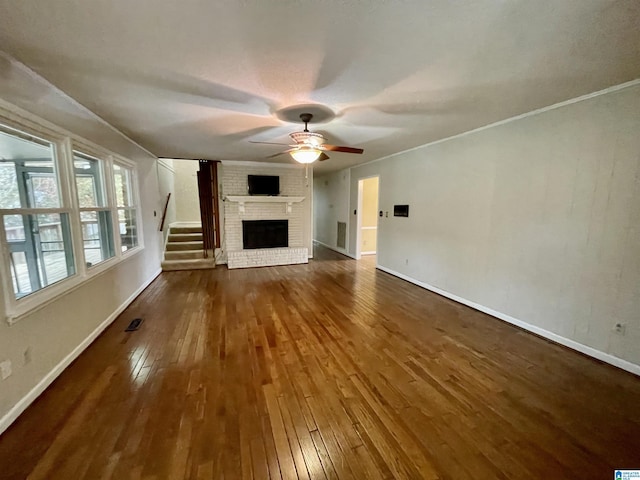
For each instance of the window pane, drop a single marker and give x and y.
(86, 191)
(41, 254)
(14, 228)
(20, 282)
(27, 174)
(128, 228)
(124, 191)
(9, 195)
(42, 189)
(89, 181)
(97, 236)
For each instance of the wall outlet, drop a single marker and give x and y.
(5, 369)
(620, 328)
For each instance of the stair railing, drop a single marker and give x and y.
(164, 212)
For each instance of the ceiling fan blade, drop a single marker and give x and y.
(335, 148)
(323, 156)
(281, 153)
(268, 143)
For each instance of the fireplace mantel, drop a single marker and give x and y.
(243, 199)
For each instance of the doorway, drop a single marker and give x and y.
(367, 221)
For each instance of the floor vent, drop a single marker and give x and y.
(134, 325)
(341, 241)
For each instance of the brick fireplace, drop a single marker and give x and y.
(291, 208)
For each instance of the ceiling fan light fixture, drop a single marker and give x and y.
(306, 155)
(309, 146)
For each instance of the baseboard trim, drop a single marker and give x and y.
(48, 379)
(335, 249)
(554, 337)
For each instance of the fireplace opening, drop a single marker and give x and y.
(265, 234)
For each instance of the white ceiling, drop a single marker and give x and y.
(200, 78)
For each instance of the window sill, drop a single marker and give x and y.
(18, 309)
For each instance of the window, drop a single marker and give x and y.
(95, 214)
(126, 206)
(36, 225)
(68, 211)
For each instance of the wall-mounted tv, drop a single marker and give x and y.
(264, 185)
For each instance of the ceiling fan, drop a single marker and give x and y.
(310, 146)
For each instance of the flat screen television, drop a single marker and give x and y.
(264, 185)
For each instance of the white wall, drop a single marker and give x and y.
(536, 220)
(166, 185)
(186, 190)
(331, 205)
(58, 331)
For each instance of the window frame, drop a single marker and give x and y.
(106, 164)
(64, 144)
(135, 200)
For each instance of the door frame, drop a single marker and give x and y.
(359, 213)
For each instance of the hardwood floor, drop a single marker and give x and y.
(323, 371)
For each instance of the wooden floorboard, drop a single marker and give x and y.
(331, 370)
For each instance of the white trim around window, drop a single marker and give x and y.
(64, 145)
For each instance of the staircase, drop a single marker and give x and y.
(183, 250)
